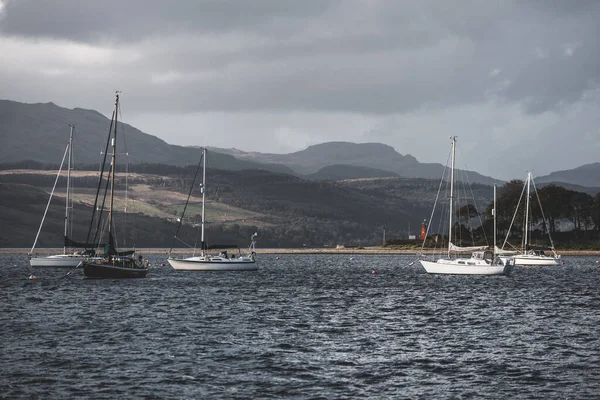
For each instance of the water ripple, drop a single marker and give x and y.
(303, 326)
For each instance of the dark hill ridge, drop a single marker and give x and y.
(592, 191)
(313, 158)
(342, 172)
(587, 175)
(22, 207)
(40, 132)
(294, 211)
(370, 155)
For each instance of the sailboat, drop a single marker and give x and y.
(66, 259)
(530, 255)
(481, 262)
(211, 262)
(113, 263)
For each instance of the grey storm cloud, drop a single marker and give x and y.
(133, 20)
(275, 75)
(375, 57)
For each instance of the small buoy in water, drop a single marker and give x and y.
(32, 277)
(277, 258)
(162, 265)
(373, 272)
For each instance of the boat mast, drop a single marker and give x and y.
(68, 201)
(49, 200)
(113, 170)
(203, 190)
(494, 214)
(451, 193)
(526, 241)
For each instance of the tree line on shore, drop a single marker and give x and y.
(558, 216)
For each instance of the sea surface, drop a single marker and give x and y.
(304, 327)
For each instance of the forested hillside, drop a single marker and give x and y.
(287, 211)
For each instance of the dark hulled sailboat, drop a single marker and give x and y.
(113, 263)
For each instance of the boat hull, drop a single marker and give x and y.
(212, 264)
(116, 270)
(57, 261)
(533, 261)
(451, 267)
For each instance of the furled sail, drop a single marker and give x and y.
(453, 247)
(500, 251)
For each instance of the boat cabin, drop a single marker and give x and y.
(487, 256)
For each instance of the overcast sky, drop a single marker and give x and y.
(516, 81)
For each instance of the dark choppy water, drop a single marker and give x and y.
(304, 326)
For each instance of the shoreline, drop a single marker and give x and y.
(364, 251)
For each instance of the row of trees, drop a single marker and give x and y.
(550, 205)
(571, 217)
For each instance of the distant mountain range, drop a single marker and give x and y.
(315, 162)
(343, 172)
(586, 175)
(39, 132)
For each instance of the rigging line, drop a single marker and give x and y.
(542, 210)
(100, 179)
(196, 243)
(122, 127)
(478, 214)
(96, 236)
(512, 246)
(466, 177)
(73, 269)
(444, 214)
(50, 199)
(184, 243)
(135, 234)
(444, 169)
(126, 153)
(524, 223)
(187, 201)
(102, 207)
(124, 216)
(70, 197)
(513, 218)
(438, 245)
(457, 202)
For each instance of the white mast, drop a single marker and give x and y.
(451, 193)
(526, 241)
(68, 201)
(203, 189)
(494, 214)
(113, 171)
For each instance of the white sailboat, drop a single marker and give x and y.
(212, 262)
(530, 256)
(66, 259)
(481, 262)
